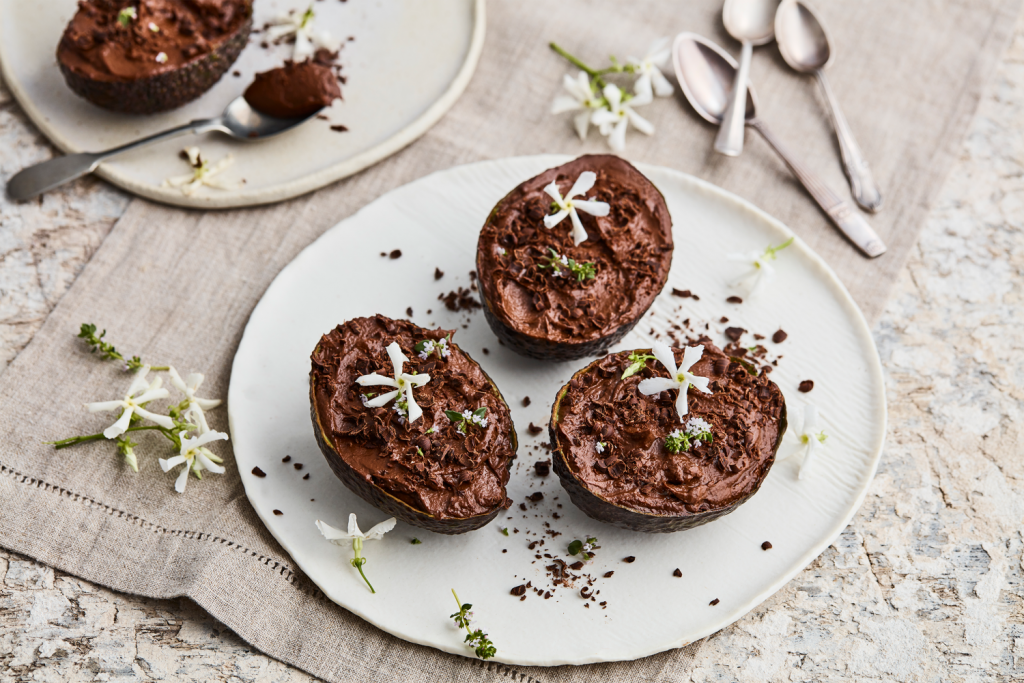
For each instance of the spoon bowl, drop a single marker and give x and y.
(239, 120)
(750, 21)
(803, 40)
(705, 73)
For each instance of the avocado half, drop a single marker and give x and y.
(165, 90)
(381, 499)
(607, 511)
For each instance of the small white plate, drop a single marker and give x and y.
(435, 222)
(408, 63)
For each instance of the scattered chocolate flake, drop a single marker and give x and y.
(677, 572)
(542, 468)
(395, 253)
(258, 472)
(486, 351)
(408, 311)
(576, 566)
(459, 300)
(767, 545)
(734, 300)
(685, 293)
(534, 429)
(608, 575)
(806, 385)
(438, 273)
(536, 497)
(286, 458)
(519, 590)
(307, 476)
(383, 253)
(734, 333)
(713, 602)
(723, 320)
(779, 336)
(526, 401)
(278, 513)
(585, 592)
(522, 506)
(297, 465)
(629, 559)
(339, 128)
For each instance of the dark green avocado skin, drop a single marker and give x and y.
(606, 511)
(384, 501)
(164, 91)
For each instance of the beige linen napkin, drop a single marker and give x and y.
(177, 286)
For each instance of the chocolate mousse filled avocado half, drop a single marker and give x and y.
(571, 259)
(665, 439)
(412, 424)
(148, 56)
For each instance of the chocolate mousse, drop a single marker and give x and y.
(548, 297)
(294, 90)
(147, 56)
(446, 469)
(628, 459)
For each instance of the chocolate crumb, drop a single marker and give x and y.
(608, 575)
(519, 590)
(685, 293)
(526, 401)
(806, 385)
(534, 429)
(734, 333)
(258, 472)
(278, 513)
(713, 602)
(779, 336)
(339, 128)
(767, 545)
(486, 351)
(576, 566)
(383, 253)
(734, 300)
(286, 458)
(677, 573)
(395, 253)
(438, 273)
(542, 468)
(522, 506)
(522, 598)
(536, 497)
(723, 320)
(307, 476)
(297, 465)
(629, 559)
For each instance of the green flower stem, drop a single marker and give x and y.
(74, 440)
(457, 601)
(358, 561)
(576, 61)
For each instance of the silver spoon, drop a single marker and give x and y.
(705, 72)
(239, 120)
(804, 44)
(752, 22)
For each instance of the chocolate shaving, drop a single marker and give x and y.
(806, 385)
(395, 253)
(534, 429)
(713, 602)
(258, 472)
(734, 300)
(734, 333)
(677, 573)
(766, 545)
(779, 336)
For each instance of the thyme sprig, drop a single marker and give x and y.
(477, 639)
(637, 361)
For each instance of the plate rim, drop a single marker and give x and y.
(276, 193)
(734, 614)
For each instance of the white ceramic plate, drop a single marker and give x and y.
(409, 62)
(435, 222)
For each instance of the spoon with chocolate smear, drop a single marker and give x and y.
(240, 120)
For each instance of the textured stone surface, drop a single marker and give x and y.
(925, 584)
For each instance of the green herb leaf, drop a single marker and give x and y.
(575, 547)
(637, 361)
(480, 412)
(454, 416)
(415, 541)
(504, 530)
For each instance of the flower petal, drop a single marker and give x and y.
(805, 466)
(593, 207)
(415, 412)
(353, 527)
(582, 184)
(681, 402)
(397, 357)
(579, 234)
(617, 139)
(417, 380)
(206, 403)
(604, 117)
(104, 406)
(382, 399)
(691, 354)
(552, 220)
(121, 426)
(373, 379)
(167, 464)
(662, 87)
(581, 122)
(656, 385)
(176, 380)
(810, 420)
(151, 395)
(665, 356)
(139, 382)
(699, 383)
(563, 103)
(182, 480)
(336, 536)
(613, 94)
(639, 122)
(209, 464)
(378, 530)
(552, 191)
(162, 420)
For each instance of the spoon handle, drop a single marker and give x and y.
(862, 182)
(45, 176)
(849, 222)
(729, 140)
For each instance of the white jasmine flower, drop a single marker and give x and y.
(569, 205)
(650, 68)
(679, 378)
(599, 446)
(161, 57)
(762, 270)
(613, 120)
(202, 173)
(339, 537)
(809, 437)
(402, 382)
(189, 386)
(139, 392)
(195, 456)
(581, 98)
(307, 39)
